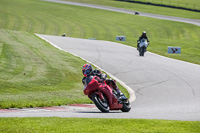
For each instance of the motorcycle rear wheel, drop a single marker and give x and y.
(101, 105)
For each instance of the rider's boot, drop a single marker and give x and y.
(122, 97)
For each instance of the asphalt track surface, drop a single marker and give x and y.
(157, 16)
(165, 88)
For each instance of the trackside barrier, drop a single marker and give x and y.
(174, 50)
(120, 38)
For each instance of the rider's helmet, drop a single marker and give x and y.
(144, 33)
(87, 69)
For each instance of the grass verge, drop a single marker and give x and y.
(152, 9)
(89, 125)
(190, 4)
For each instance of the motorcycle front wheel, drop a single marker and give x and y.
(141, 51)
(101, 104)
(126, 107)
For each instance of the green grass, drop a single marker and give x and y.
(90, 125)
(33, 73)
(151, 8)
(192, 4)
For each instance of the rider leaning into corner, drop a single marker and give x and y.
(144, 35)
(88, 73)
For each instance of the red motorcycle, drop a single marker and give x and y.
(104, 97)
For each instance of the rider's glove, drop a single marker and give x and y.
(103, 76)
(121, 94)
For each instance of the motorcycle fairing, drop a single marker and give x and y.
(143, 43)
(91, 87)
(99, 88)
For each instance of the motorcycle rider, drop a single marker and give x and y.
(88, 73)
(144, 35)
